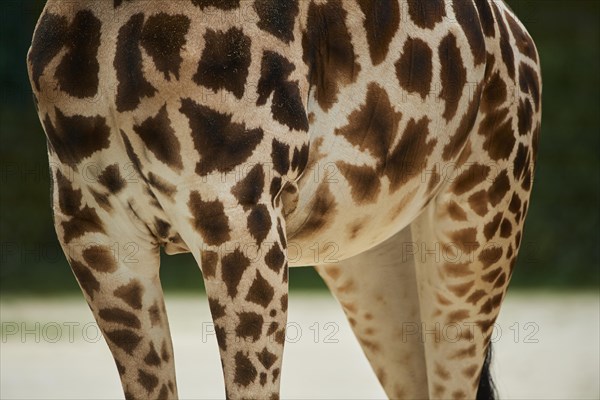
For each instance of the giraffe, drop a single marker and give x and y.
(390, 144)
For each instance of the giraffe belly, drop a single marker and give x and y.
(326, 228)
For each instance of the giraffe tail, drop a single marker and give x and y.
(487, 388)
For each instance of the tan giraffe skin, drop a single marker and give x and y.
(389, 143)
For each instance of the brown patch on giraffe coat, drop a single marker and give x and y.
(374, 125)
(233, 266)
(529, 83)
(478, 202)
(225, 61)
(522, 38)
(525, 116)
(489, 256)
(284, 302)
(261, 292)
(221, 143)
(128, 63)
(164, 354)
(120, 316)
(250, 325)
(508, 56)
(425, 14)
(217, 310)
(490, 229)
(159, 137)
(494, 93)
(259, 223)
(155, 314)
(220, 4)
(77, 73)
(381, 22)
(163, 37)
(245, 373)
(209, 219)
(111, 179)
(328, 51)
(76, 137)
(48, 40)
(465, 239)
(457, 316)
(69, 199)
(131, 294)
(286, 107)
(84, 221)
(300, 158)
(467, 17)
(266, 358)
(147, 380)
(221, 337)
(275, 258)
(100, 258)
(272, 327)
(470, 178)
(249, 189)
(278, 18)
(476, 296)
(453, 75)
(499, 188)
(505, 229)
(471, 371)
(492, 275)
(499, 134)
(456, 212)
(486, 17)
(520, 162)
(414, 68)
(85, 277)
(164, 393)
(408, 158)
(152, 358)
(125, 339)
(365, 182)
(441, 372)
(280, 155)
(162, 185)
(461, 289)
(209, 260)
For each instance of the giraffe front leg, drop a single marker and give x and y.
(243, 260)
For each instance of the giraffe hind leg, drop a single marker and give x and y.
(118, 275)
(378, 292)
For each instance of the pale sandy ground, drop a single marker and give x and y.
(558, 360)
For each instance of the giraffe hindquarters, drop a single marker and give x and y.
(118, 275)
(378, 292)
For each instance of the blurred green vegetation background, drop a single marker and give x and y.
(561, 242)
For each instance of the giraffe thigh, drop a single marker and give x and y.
(118, 272)
(378, 292)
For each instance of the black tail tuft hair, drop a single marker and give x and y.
(487, 388)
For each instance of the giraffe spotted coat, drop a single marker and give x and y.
(391, 144)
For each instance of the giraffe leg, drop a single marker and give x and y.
(378, 292)
(118, 274)
(242, 254)
(469, 237)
